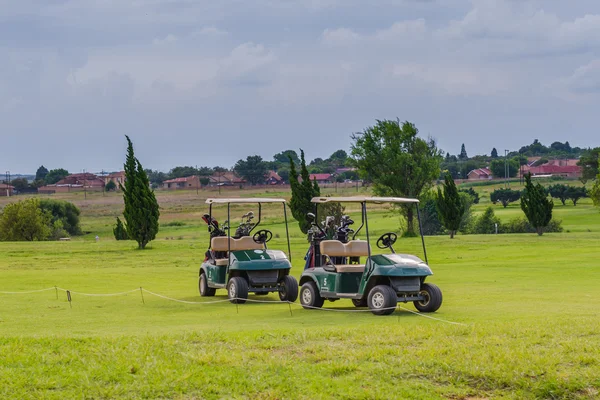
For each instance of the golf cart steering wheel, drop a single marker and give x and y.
(387, 240)
(262, 236)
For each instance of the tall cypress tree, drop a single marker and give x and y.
(449, 206)
(302, 193)
(141, 208)
(536, 205)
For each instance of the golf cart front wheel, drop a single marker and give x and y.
(310, 297)
(205, 291)
(382, 300)
(237, 290)
(432, 298)
(288, 289)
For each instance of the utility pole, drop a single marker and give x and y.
(84, 191)
(7, 183)
(103, 189)
(198, 179)
(506, 169)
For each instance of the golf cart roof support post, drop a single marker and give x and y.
(228, 237)
(364, 213)
(362, 223)
(421, 232)
(259, 217)
(287, 232)
(210, 221)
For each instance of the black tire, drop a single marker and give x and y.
(237, 290)
(310, 296)
(288, 289)
(433, 298)
(205, 291)
(359, 302)
(382, 300)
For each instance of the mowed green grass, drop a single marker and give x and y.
(527, 308)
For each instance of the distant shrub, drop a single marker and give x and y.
(486, 223)
(521, 225)
(174, 223)
(472, 193)
(63, 211)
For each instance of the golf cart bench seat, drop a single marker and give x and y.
(219, 243)
(354, 248)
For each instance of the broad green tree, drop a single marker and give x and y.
(110, 186)
(449, 205)
(398, 162)
(253, 169)
(55, 175)
(504, 196)
(498, 168)
(575, 193)
(41, 173)
(65, 212)
(302, 192)
(283, 158)
(141, 208)
(595, 192)
(24, 221)
(559, 191)
(536, 205)
(20, 184)
(589, 163)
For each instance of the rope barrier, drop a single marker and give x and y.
(289, 303)
(30, 291)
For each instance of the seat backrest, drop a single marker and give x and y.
(357, 248)
(247, 243)
(333, 248)
(220, 243)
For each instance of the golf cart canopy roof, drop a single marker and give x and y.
(363, 199)
(244, 200)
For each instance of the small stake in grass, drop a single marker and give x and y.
(69, 298)
(290, 305)
(237, 309)
(56, 289)
(142, 293)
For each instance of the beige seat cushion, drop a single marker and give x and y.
(222, 262)
(220, 243)
(357, 248)
(350, 268)
(333, 248)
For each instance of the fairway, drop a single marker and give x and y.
(519, 319)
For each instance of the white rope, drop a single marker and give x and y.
(99, 294)
(430, 317)
(30, 291)
(228, 300)
(184, 301)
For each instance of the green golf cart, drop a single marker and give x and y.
(245, 264)
(334, 270)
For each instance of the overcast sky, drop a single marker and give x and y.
(208, 82)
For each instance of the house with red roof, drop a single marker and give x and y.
(187, 182)
(273, 178)
(322, 178)
(6, 190)
(480, 174)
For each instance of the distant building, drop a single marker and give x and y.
(480, 174)
(273, 178)
(188, 182)
(226, 178)
(75, 182)
(322, 178)
(117, 177)
(6, 190)
(566, 171)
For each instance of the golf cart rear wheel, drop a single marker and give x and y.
(310, 296)
(205, 291)
(382, 300)
(288, 289)
(237, 290)
(359, 302)
(433, 298)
